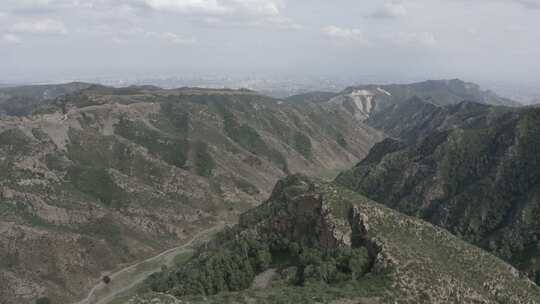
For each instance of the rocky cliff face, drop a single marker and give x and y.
(478, 178)
(104, 177)
(313, 233)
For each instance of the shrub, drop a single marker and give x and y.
(204, 163)
(249, 139)
(302, 144)
(97, 182)
(43, 300)
(341, 140)
(172, 149)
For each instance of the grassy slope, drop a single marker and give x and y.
(416, 262)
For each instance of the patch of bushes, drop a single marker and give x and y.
(302, 144)
(43, 300)
(231, 269)
(249, 139)
(173, 150)
(14, 141)
(177, 118)
(90, 149)
(98, 183)
(340, 139)
(234, 265)
(204, 163)
(104, 228)
(246, 186)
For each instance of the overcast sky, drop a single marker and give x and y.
(482, 40)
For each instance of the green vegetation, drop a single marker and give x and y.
(173, 150)
(233, 267)
(280, 253)
(478, 179)
(340, 139)
(246, 186)
(302, 144)
(122, 161)
(105, 228)
(375, 289)
(14, 142)
(204, 163)
(90, 149)
(249, 139)
(174, 118)
(98, 183)
(43, 300)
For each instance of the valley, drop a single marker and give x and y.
(104, 177)
(99, 181)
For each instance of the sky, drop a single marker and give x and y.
(482, 40)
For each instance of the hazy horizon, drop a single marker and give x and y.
(393, 41)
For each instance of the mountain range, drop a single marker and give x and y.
(96, 177)
(104, 176)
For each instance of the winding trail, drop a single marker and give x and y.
(129, 277)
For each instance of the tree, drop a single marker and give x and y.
(106, 279)
(359, 262)
(341, 140)
(204, 163)
(43, 300)
(263, 260)
(302, 144)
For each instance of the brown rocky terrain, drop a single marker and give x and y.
(104, 177)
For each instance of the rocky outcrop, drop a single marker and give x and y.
(478, 179)
(411, 260)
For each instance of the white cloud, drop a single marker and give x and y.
(345, 34)
(221, 13)
(218, 7)
(174, 38)
(390, 10)
(42, 26)
(118, 40)
(229, 13)
(187, 6)
(532, 4)
(130, 35)
(11, 39)
(258, 7)
(423, 39)
(31, 3)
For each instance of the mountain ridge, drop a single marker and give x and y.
(325, 244)
(478, 180)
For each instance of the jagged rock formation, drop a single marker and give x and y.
(474, 170)
(308, 232)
